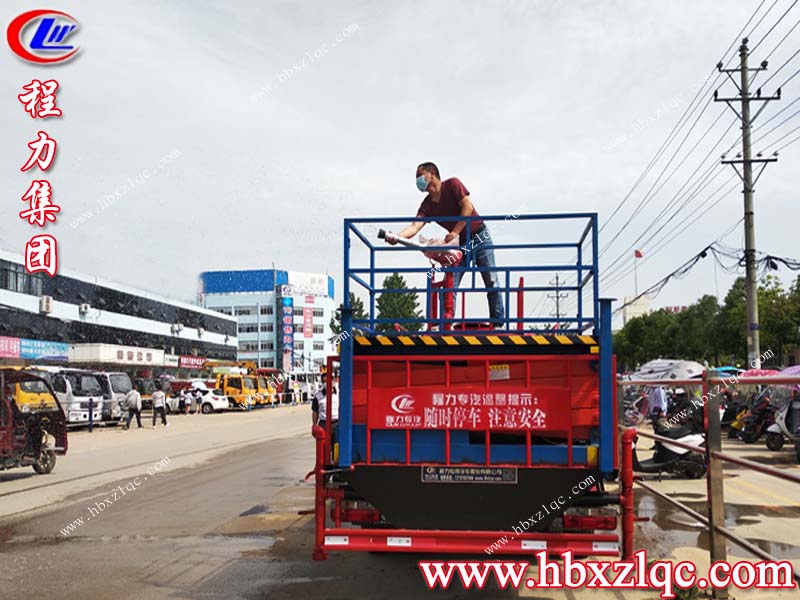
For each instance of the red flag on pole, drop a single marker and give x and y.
(638, 254)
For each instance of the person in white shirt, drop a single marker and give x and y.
(133, 402)
(319, 409)
(657, 399)
(159, 406)
(184, 402)
(304, 391)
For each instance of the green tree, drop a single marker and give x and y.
(706, 331)
(647, 337)
(731, 326)
(398, 305)
(358, 313)
(696, 331)
(778, 324)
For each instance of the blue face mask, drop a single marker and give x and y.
(422, 183)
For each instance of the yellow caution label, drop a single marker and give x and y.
(499, 372)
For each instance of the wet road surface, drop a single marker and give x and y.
(229, 528)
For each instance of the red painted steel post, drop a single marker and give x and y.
(449, 301)
(626, 479)
(319, 494)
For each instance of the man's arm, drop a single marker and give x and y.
(466, 211)
(408, 232)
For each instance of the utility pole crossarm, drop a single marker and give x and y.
(558, 297)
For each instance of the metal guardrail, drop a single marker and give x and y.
(715, 521)
(367, 262)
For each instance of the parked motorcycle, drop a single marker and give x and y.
(736, 426)
(674, 459)
(635, 406)
(787, 421)
(732, 406)
(758, 419)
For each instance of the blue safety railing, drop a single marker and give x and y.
(581, 274)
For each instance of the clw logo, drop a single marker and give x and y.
(47, 43)
(403, 404)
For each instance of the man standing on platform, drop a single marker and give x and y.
(450, 198)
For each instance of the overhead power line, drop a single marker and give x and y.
(681, 121)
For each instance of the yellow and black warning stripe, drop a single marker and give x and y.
(503, 343)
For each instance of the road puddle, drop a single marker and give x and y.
(777, 549)
(670, 528)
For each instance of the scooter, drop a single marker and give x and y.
(787, 421)
(674, 459)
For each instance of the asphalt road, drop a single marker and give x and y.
(221, 520)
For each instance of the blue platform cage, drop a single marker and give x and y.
(368, 260)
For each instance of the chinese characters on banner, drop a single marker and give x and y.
(542, 409)
(287, 329)
(674, 309)
(192, 362)
(41, 252)
(308, 322)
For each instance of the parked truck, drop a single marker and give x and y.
(114, 385)
(454, 429)
(78, 391)
(238, 388)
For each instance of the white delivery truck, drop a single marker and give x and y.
(77, 390)
(114, 386)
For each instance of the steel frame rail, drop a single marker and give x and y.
(715, 521)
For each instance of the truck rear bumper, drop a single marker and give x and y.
(469, 542)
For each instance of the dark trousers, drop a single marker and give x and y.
(159, 410)
(131, 412)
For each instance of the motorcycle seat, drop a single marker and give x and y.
(675, 433)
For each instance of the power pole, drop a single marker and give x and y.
(746, 175)
(558, 296)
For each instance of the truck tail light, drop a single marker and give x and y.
(589, 522)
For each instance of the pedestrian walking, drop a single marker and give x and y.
(304, 390)
(296, 398)
(182, 402)
(198, 400)
(159, 406)
(190, 402)
(133, 402)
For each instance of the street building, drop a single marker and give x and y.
(283, 316)
(75, 317)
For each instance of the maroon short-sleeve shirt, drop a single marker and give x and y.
(453, 191)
